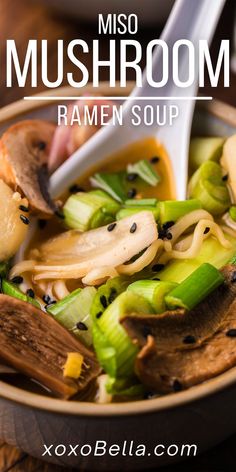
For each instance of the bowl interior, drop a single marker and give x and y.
(214, 119)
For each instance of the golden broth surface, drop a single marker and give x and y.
(144, 149)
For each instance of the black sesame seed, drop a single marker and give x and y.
(233, 277)
(112, 295)
(133, 228)
(169, 236)
(157, 267)
(46, 299)
(42, 223)
(113, 291)
(17, 279)
(111, 298)
(103, 301)
(99, 314)
(177, 386)
(132, 193)
(24, 219)
(131, 177)
(154, 159)
(52, 302)
(30, 293)
(207, 229)
(161, 233)
(24, 208)
(225, 178)
(111, 227)
(82, 326)
(41, 145)
(168, 225)
(60, 214)
(231, 333)
(146, 331)
(189, 339)
(75, 188)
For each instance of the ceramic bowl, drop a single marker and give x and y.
(203, 415)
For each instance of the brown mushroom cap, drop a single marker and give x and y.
(187, 347)
(24, 150)
(33, 343)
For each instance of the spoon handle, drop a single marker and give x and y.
(189, 19)
(192, 20)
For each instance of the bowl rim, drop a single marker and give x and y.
(17, 395)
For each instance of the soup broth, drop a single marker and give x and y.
(149, 149)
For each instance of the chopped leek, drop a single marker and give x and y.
(124, 387)
(113, 184)
(133, 206)
(211, 251)
(73, 312)
(204, 149)
(145, 171)
(228, 162)
(105, 352)
(3, 269)
(232, 212)
(142, 202)
(13, 291)
(107, 293)
(153, 291)
(84, 211)
(115, 334)
(195, 288)
(132, 210)
(171, 210)
(207, 185)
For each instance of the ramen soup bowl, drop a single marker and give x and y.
(133, 435)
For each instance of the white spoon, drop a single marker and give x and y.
(189, 19)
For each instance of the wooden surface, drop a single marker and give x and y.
(26, 19)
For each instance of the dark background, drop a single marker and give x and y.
(22, 20)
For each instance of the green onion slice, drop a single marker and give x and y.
(13, 291)
(145, 171)
(232, 212)
(116, 336)
(73, 312)
(113, 184)
(211, 251)
(206, 185)
(195, 288)
(84, 211)
(141, 202)
(153, 291)
(171, 210)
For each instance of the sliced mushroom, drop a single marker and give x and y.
(24, 149)
(180, 349)
(14, 221)
(33, 343)
(74, 254)
(228, 161)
